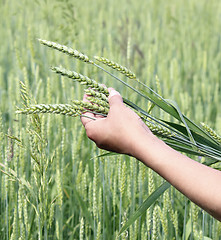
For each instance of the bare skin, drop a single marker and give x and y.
(124, 132)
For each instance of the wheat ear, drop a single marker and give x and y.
(93, 93)
(64, 109)
(125, 71)
(160, 130)
(98, 102)
(66, 50)
(84, 80)
(211, 132)
(91, 107)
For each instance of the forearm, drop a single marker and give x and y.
(201, 184)
(123, 131)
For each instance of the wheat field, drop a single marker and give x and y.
(52, 184)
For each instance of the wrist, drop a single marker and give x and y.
(147, 148)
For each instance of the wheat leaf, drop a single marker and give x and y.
(145, 205)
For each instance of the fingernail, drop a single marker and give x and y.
(113, 93)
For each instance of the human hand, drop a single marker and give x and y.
(120, 130)
(123, 131)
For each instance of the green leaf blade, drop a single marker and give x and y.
(145, 205)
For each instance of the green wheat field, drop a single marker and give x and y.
(53, 185)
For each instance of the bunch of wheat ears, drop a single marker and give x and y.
(186, 136)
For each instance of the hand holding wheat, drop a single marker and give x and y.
(123, 131)
(120, 130)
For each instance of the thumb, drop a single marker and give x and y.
(114, 97)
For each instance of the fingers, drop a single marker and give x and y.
(85, 98)
(86, 118)
(114, 97)
(87, 115)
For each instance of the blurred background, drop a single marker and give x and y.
(58, 189)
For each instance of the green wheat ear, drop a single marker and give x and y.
(96, 94)
(84, 80)
(98, 102)
(66, 50)
(125, 71)
(160, 130)
(64, 109)
(211, 132)
(91, 107)
(24, 94)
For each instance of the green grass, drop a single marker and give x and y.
(56, 180)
